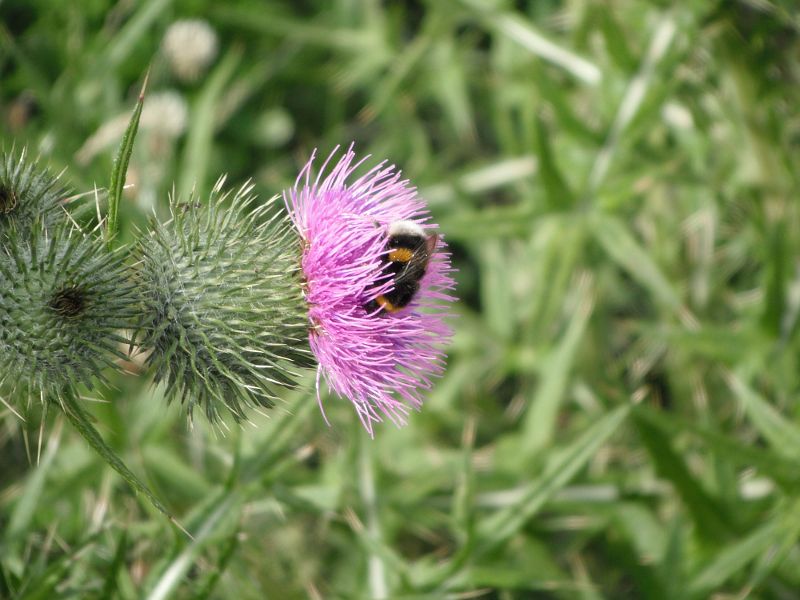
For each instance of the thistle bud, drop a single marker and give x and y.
(64, 298)
(224, 319)
(28, 194)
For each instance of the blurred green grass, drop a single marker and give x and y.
(618, 183)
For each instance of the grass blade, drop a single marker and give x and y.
(780, 433)
(80, 420)
(559, 193)
(540, 421)
(622, 248)
(226, 507)
(768, 462)
(20, 519)
(116, 566)
(784, 544)
(496, 529)
(129, 38)
(227, 552)
(708, 514)
(734, 557)
(516, 28)
(197, 154)
(632, 101)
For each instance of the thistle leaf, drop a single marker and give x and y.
(80, 420)
(120, 169)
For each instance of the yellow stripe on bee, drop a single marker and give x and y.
(385, 304)
(402, 255)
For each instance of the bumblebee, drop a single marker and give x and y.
(409, 252)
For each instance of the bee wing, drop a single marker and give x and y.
(430, 244)
(415, 268)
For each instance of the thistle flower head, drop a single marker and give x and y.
(380, 360)
(224, 318)
(28, 194)
(63, 300)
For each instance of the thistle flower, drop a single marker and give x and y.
(380, 361)
(63, 299)
(190, 46)
(28, 194)
(224, 319)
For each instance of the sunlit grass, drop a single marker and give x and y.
(619, 415)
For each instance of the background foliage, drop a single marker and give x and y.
(618, 183)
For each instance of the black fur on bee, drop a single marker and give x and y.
(409, 252)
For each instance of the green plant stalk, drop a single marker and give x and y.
(80, 420)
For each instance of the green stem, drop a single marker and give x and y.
(80, 420)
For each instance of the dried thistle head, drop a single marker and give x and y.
(29, 195)
(64, 299)
(224, 318)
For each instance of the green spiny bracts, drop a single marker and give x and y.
(224, 320)
(29, 195)
(64, 298)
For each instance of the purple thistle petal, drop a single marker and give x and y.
(381, 362)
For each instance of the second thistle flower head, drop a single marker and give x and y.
(64, 298)
(29, 195)
(223, 317)
(379, 355)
